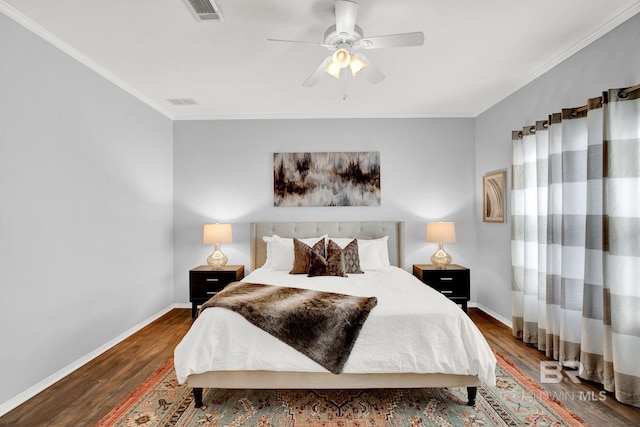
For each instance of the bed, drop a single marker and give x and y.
(413, 338)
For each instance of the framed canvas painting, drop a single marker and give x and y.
(326, 179)
(493, 197)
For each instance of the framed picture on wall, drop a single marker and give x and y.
(493, 197)
(326, 179)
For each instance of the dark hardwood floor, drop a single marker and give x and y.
(85, 396)
(606, 412)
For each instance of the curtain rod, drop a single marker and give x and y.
(628, 90)
(577, 110)
(622, 93)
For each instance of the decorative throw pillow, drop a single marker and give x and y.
(301, 254)
(280, 251)
(373, 253)
(351, 258)
(332, 265)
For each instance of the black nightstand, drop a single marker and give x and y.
(452, 282)
(205, 282)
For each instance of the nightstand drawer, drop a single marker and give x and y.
(205, 282)
(206, 291)
(211, 278)
(452, 282)
(448, 283)
(450, 291)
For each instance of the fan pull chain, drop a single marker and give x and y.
(344, 84)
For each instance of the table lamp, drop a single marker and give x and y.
(441, 232)
(216, 234)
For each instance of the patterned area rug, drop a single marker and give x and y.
(515, 401)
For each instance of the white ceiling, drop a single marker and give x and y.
(476, 52)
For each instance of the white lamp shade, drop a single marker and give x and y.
(441, 232)
(356, 65)
(217, 233)
(333, 70)
(341, 58)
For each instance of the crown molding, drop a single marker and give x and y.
(43, 33)
(619, 19)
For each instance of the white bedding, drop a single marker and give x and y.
(412, 329)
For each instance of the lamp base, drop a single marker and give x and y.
(217, 259)
(440, 258)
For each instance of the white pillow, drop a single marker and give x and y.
(268, 240)
(384, 251)
(280, 254)
(374, 254)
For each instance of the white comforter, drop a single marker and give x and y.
(412, 329)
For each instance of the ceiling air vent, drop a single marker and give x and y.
(204, 10)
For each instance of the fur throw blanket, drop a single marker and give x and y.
(321, 325)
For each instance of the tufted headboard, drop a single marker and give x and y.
(361, 230)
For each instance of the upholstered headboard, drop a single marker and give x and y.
(361, 230)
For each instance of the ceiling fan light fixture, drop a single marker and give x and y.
(341, 58)
(357, 65)
(344, 37)
(333, 70)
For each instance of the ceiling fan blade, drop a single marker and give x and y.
(301, 42)
(372, 73)
(393, 40)
(346, 12)
(317, 74)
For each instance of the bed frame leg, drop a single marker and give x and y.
(471, 394)
(197, 397)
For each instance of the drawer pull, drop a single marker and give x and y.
(212, 293)
(212, 279)
(446, 279)
(446, 292)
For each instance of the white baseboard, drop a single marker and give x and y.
(493, 314)
(57, 376)
(181, 305)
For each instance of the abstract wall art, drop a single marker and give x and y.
(326, 179)
(493, 197)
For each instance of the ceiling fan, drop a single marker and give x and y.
(346, 39)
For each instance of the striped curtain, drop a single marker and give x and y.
(575, 245)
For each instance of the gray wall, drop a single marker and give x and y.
(610, 62)
(85, 210)
(223, 171)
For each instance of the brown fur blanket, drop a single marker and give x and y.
(321, 325)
